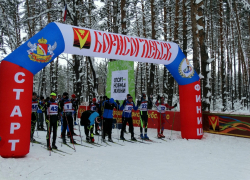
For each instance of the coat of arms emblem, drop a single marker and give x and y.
(185, 69)
(82, 38)
(44, 51)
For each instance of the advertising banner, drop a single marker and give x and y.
(170, 118)
(119, 84)
(120, 80)
(227, 124)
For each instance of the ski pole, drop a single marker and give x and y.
(117, 121)
(102, 121)
(98, 136)
(36, 125)
(61, 125)
(49, 135)
(79, 129)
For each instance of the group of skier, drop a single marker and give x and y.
(105, 109)
(54, 109)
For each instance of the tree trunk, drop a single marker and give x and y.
(95, 87)
(150, 90)
(184, 35)
(123, 17)
(223, 65)
(194, 36)
(204, 57)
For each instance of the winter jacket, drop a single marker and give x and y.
(108, 109)
(35, 106)
(163, 107)
(63, 102)
(127, 109)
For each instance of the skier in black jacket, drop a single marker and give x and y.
(65, 106)
(144, 105)
(52, 120)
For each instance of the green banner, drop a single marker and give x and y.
(120, 79)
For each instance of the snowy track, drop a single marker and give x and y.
(214, 157)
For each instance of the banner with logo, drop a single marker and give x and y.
(227, 124)
(56, 38)
(171, 118)
(120, 80)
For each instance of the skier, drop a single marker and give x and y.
(88, 118)
(144, 105)
(52, 120)
(42, 114)
(34, 108)
(127, 114)
(65, 106)
(123, 103)
(94, 107)
(162, 107)
(108, 105)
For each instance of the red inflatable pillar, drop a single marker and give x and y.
(15, 109)
(190, 111)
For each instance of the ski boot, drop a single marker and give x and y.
(68, 134)
(92, 140)
(64, 141)
(97, 133)
(75, 123)
(159, 136)
(110, 140)
(54, 146)
(141, 136)
(87, 138)
(162, 136)
(146, 137)
(72, 141)
(32, 139)
(122, 138)
(133, 139)
(49, 148)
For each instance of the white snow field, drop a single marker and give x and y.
(214, 157)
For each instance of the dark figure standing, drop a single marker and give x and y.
(34, 108)
(127, 114)
(144, 105)
(52, 120)
(65, 106)
(108, 105)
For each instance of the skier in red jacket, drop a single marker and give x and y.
(162, 107)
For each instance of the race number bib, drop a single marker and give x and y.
(68, 107)
(144, 106)
(128, 108)
(162, 108)
(53, 109)
(34, 107)
(93, 108)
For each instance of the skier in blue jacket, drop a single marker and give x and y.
(108, 105)
(127, 108)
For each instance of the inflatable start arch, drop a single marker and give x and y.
(17, 70)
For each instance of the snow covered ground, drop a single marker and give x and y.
(214, 157)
